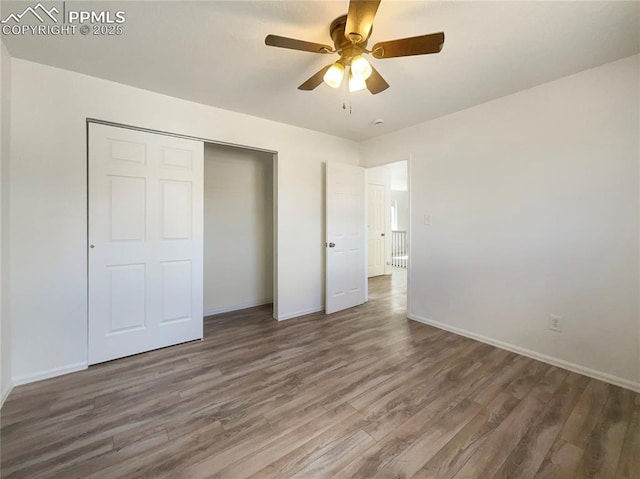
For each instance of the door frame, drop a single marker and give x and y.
(204, 140)
(409, 238)
(411, 225)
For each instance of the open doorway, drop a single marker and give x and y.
(399, 215)
(238, 229)
(388, 231)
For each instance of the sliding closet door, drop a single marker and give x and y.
(145, 241)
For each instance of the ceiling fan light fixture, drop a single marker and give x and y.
(334, 75)
(360, 67)
(356, 83)
(350, 36)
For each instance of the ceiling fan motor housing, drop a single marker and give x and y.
(343, 45)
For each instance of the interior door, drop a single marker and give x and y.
(145, 241)
(346, 280)
(375, 229)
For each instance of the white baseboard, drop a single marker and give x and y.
(576, 368)
(297, 314)
(5, 394)
(49, 373)
(237, 307)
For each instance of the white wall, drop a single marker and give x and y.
(5, 126)
(48, 202)
(238, 228)
(534, 204)
(399, 176)
(402, 201)
(381, 175)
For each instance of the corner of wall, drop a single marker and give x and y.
(638, 302)
(6, 383)
(4, 394)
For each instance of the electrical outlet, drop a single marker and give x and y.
(427, 220)
(555, 323)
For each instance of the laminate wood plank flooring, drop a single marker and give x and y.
(362, 393)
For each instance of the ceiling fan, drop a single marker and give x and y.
(350, 34)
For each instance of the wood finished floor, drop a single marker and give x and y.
(363, 393)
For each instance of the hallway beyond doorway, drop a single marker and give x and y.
(390, 288)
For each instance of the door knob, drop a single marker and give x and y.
(381, 234)
(332, 245)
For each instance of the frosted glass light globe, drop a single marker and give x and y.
(360, 67)
(333, 76)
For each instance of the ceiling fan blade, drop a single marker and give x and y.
(405, 47)
(360, 19)
(315, 80)
(293, 44)
(375, 83)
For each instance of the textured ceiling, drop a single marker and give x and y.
(213, 52)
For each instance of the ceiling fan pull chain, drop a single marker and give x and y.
(346, 92)
(345, 87)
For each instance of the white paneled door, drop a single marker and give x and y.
(346, 279)
(375, 229)
(145, 241)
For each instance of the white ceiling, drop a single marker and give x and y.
(213, 52)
